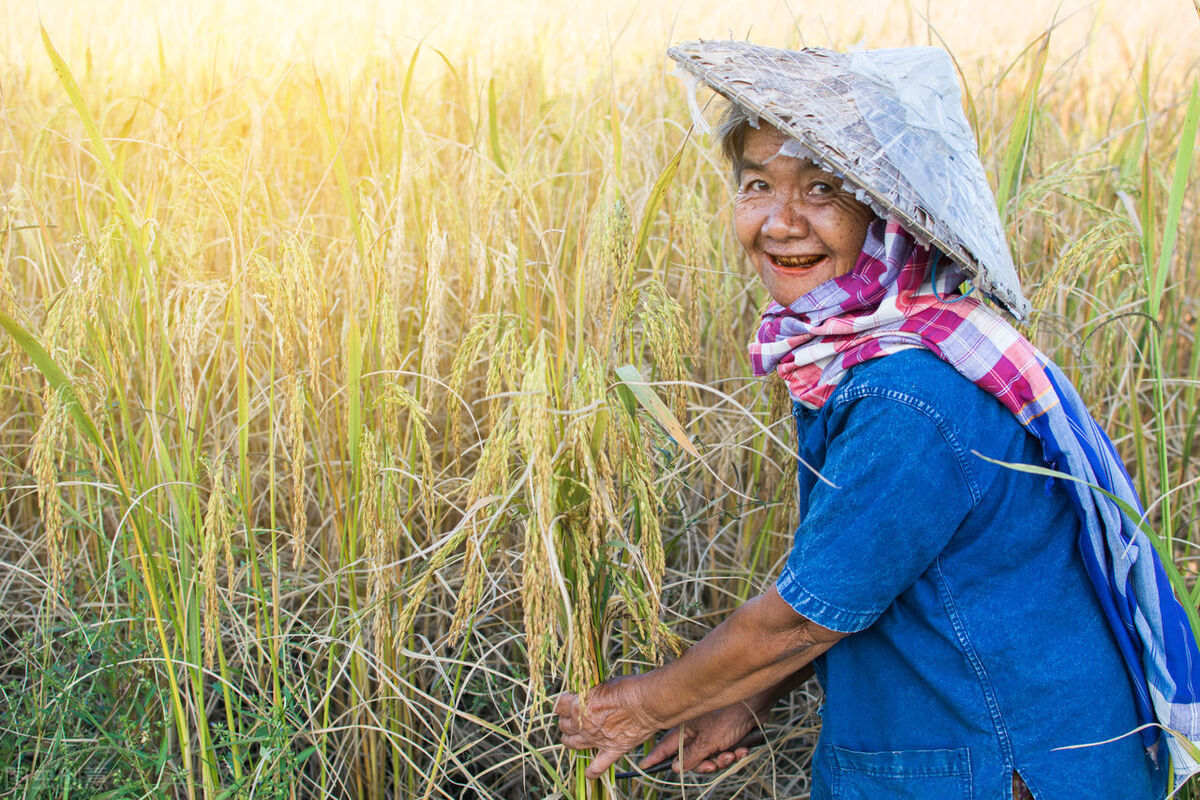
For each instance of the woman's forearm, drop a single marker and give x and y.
(756, 649)
(759, 649)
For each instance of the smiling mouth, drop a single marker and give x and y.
(797, 262)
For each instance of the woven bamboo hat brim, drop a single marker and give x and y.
(890, 124)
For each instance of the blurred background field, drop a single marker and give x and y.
(321, 466)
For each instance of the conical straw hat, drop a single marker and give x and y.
(890, 124)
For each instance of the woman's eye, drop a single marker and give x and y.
(822, 188)
(756, 185)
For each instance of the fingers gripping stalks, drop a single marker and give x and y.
(710, 742)
(611, 721)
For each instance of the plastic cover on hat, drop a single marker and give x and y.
(890, 124)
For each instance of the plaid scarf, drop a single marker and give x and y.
(895, 299)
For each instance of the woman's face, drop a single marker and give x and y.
(798, 227)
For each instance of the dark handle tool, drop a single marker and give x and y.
(661, 766)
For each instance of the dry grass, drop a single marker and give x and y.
(317, 477)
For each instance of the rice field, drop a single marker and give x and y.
(369, 376)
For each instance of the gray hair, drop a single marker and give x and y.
(731, 136)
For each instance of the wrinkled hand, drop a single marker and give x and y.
(613, 722)
(712, 741)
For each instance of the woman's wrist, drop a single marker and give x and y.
(649, 701)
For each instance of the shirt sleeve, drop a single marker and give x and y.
(901, 487)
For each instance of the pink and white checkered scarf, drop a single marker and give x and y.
(890, 301)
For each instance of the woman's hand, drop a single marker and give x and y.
(613, 721)
(711, 742)
(759, 646)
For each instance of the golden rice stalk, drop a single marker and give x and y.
(214, 536)
(45, 459)
(471, 590)
(400, 404)
(298, 451)
(597, 274)
(372, 492)
(583, 538)
(389, 333)
(477, 271)
(539, 591)
(399, 275)
(186, 304)
(666, 331)
(500, 334)
(410, 603)
(84, 291)
(281, 304)
(305, 285)
(10, 355)
(65, 329)
(505, 369)
(649, 548)
(435, 299)
(592, 440)
(1103, 250)
(582, 666)
(503, 272)
(695, 257)
(490, 478)
(636, 476)
(618, 260)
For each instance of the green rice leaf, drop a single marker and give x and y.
(494, 126)
(657, 193)
(649, 400)
(1183, 168)
(53, 373)
(133, 228)
(1019, 139)
(349, 198)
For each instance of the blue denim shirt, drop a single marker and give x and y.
(977, 646)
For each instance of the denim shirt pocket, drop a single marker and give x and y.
(900, 774)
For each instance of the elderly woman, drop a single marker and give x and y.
(979, 631)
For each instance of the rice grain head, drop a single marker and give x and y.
(694, 255)
(65, 329)
(11, 356)
(477, 271)
(667, 332)
(398, 405)
(435, 298)
(389, 334)
(1102, 250)
(646, 599)
(304, 288)
(539, 591)
(586, 527)
(372, 493)
(597, 275)
(489, 479)
(618, 260)
(214, 537)
(45, 461)
(285, 311)
(502, 273)
(298, 451)
(500, 334)
(188, 307)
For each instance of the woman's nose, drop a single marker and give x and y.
(785, 220)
